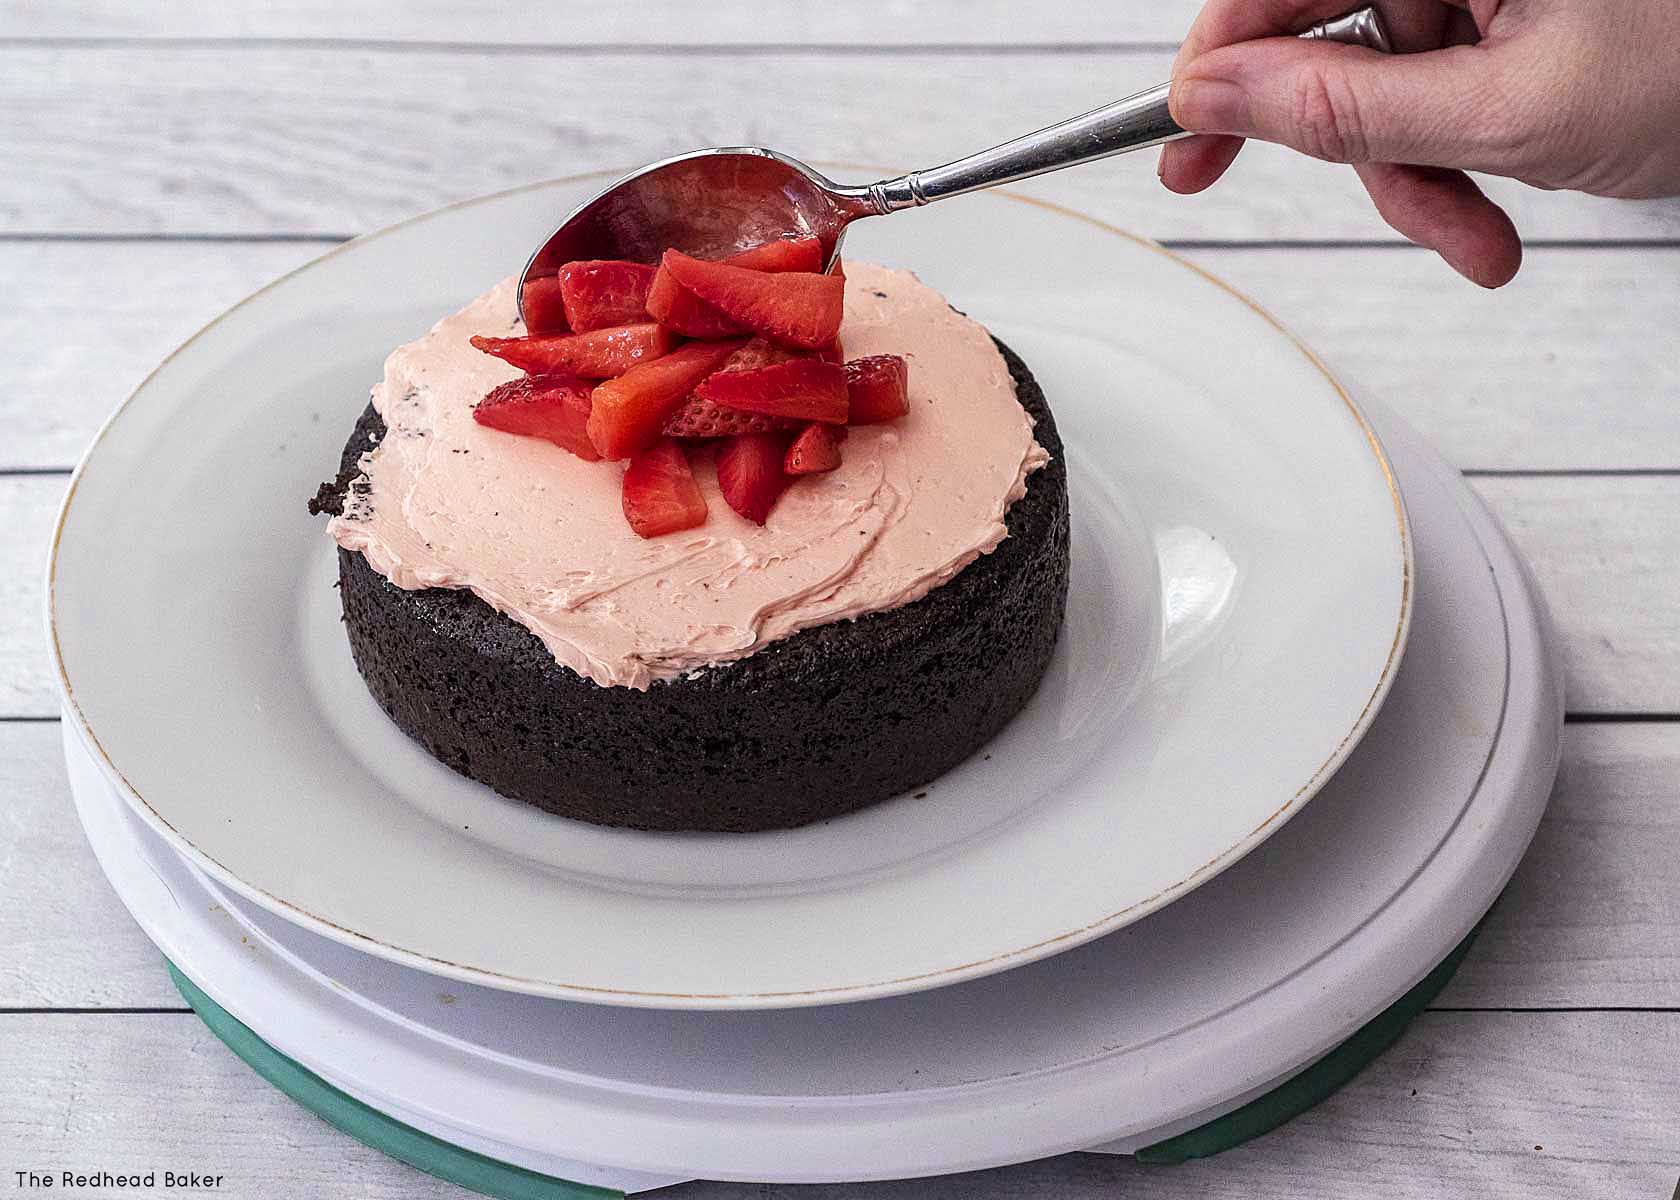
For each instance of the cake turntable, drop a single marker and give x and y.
(1208, 1021)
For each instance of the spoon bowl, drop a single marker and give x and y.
(707, 203)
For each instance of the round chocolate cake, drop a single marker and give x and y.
(811, 726)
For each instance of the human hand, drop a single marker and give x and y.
(1556, 93)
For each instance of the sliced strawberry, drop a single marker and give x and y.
(799, 308)
(681, 311)
(750, 475)
(543, 308)
(599, 293)
(660, 495)
(808, 389)
(703, 418)
(699, 418)
(759, 352)
(598, 354)
(554, 407)
(878, 387)
(783, 254)
(816, 449)
(628, 412)
(678, 309)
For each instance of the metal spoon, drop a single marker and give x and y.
(710, 202)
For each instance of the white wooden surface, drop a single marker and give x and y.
(162, 160)
(239, 138)
(821, 23)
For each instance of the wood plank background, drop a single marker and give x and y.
(242, 138)
(163, 160)
(664, 23)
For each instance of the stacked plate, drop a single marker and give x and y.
(1301, 725)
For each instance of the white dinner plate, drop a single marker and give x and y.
(1241, 592)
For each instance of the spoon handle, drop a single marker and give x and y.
(1130, 124)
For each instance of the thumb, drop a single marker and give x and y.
(1442, 108)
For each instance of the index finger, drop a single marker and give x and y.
(1412, 24)
(1226, 22)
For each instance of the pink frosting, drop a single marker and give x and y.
(541, 536)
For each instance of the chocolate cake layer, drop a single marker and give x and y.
(812, 726)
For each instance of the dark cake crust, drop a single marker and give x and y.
(812, 726)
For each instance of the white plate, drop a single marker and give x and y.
(1241, 595)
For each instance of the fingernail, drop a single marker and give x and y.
(1210, 106)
